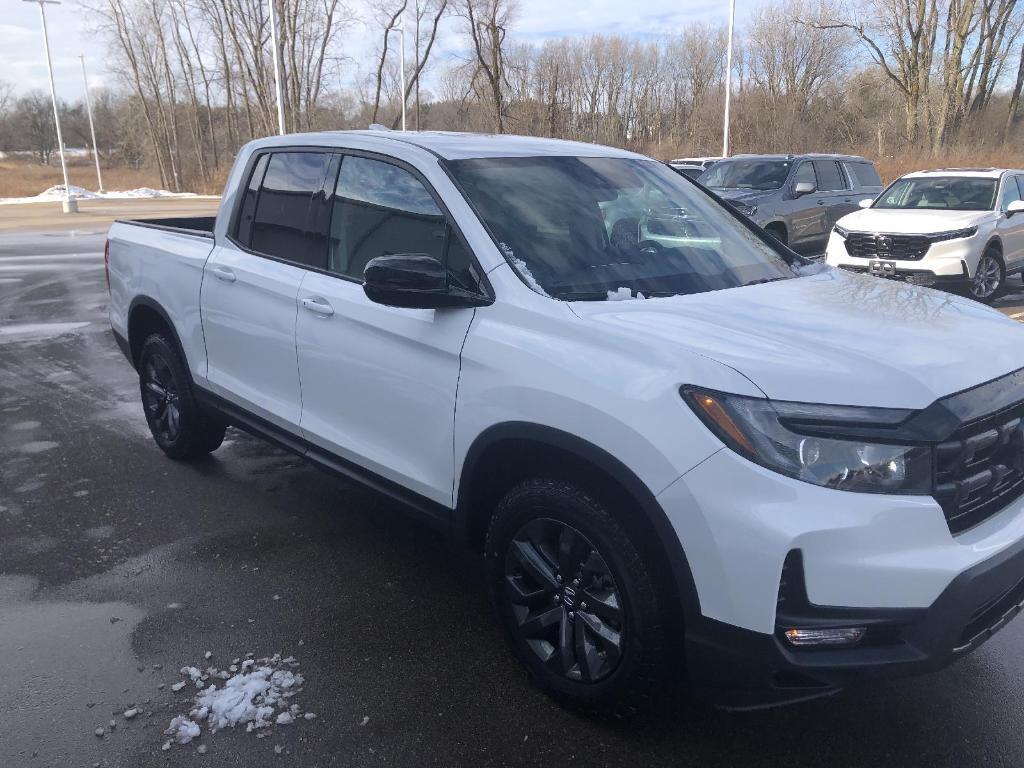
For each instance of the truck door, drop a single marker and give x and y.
(379, 382)
(808, 218)
(251, 284)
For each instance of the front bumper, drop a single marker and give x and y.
(740, 669)
(888, 563)
(950, 263)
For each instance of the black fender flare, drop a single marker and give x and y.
(149, 302)
(666, 538)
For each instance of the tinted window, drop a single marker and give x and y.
(281, 226)
(381, 209)
(829, 177)
(863, 174)
(805, 172)
(248, 210)
(1009, 193)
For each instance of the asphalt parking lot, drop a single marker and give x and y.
(118, 567)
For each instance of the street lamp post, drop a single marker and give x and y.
(728, 79)
(70, 205)
(401, 61)
(92, 126)
(277, 70)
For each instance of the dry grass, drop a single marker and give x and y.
(23, 178)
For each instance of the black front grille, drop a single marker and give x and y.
(981, 469)
(863, 245)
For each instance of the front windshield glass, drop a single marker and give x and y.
(581, 228)
(747, 174)
(945, 193)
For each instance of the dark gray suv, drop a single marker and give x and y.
(797, 198)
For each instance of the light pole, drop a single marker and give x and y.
(401, 61)
(277, 70)
(728, 79)
(92, 127)
(70, 205)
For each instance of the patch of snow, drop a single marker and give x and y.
(38, 446)
(623, 294)
(39, 330)
(56, 193)
(178, 686)
(129, 714)
(366, 719)
(522, 269)
(182, 730)
(813, 268)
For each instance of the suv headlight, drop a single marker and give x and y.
(956, 234)
(841, 231)
(807, 442)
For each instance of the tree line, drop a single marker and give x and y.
(883, 77)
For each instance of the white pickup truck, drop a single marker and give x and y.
(685, 453)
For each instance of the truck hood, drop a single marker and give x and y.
(834, 337)
(912, 222)
(748, 196)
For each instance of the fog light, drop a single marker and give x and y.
(832, 636)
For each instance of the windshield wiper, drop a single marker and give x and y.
(763, 280)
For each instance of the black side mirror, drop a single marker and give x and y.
(414, 281)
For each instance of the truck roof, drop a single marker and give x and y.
(983, 173)
(456, 146)
(800, 156)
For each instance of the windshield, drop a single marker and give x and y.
(947, 193)
(579, 228)
(747, 174)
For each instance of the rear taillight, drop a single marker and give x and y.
(106, 263)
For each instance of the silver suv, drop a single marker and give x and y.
(796, 198)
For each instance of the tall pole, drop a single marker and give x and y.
(728, 79)
(70, 205)
(277, 70)
(401, 65)
(92, 126)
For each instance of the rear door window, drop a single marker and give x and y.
(863, 174)
(282, 225)
(829, 177)
(1010, 192)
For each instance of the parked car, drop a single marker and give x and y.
(682, 450)
(690, 171)
(960, 228)
(703, 162)
(796, 198)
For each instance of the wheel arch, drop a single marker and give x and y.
(508, 453)
(147, 316)
(995, 242)
(778, 224)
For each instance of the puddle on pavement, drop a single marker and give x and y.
(65, 668)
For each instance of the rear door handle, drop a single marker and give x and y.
(318, 306)
(821, 202)
(223, 273)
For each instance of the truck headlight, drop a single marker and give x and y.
(807, 442)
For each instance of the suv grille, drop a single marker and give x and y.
(981, 469)
(863, 245)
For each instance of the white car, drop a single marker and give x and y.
(958, 228)
(678, 446)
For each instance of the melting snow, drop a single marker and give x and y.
(258, 696)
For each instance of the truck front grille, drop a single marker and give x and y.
(980, 470)
(864, 245)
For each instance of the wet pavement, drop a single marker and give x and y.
(118, 567)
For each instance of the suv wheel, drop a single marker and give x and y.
(179, 425)
(778, 232)
(576, 598)
(989, 277)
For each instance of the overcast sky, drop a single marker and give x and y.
(22, 63)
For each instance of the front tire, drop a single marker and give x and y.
(579, 604)
(180, 427)
(989, 277)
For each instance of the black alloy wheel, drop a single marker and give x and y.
(160, 398)
(565, 600)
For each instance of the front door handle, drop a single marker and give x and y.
(821, 202)
(318, 306)
(223, 273)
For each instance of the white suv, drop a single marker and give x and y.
(957, 227)
(678, 445)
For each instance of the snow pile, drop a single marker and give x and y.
(256, 693)
(622, 294)
(811, 268)
(56, 193)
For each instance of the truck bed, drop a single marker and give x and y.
(201, 226)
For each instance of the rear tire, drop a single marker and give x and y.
(592, 637)
(179, 425)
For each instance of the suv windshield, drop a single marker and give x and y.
(747, 174)
(950, 193)
(582, 228)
